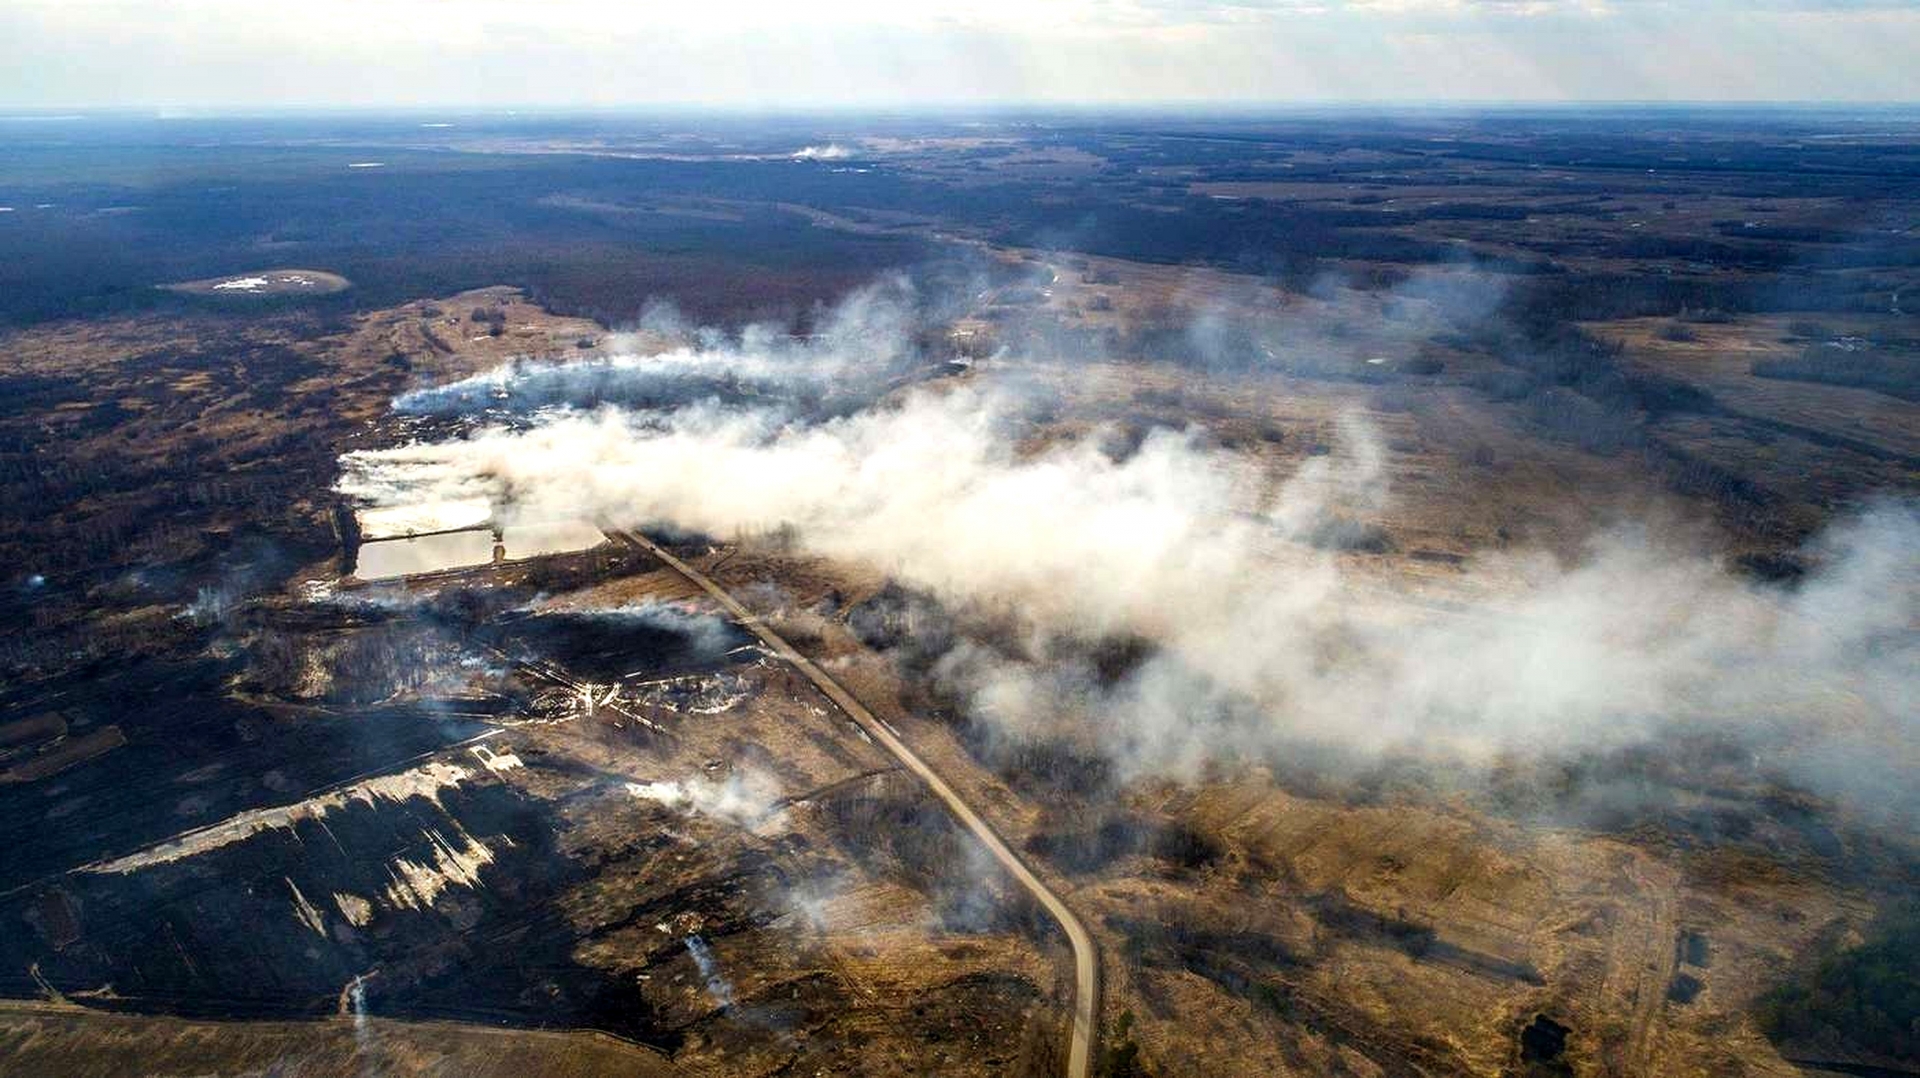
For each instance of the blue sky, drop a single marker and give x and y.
(793, 54)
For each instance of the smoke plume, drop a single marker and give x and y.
(1256, 640)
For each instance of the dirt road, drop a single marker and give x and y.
(1085, 959)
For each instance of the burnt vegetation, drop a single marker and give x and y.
(1895, 373)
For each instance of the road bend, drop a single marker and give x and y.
(1086, 963)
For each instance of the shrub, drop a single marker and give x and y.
(1863, 999)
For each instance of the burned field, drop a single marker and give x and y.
(1362, 566)
(247, 789)
(648, 831)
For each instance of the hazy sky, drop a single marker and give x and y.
(793, 53)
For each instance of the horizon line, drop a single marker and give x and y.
(159, 111)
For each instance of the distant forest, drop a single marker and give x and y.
(596, 235)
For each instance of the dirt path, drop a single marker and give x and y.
(1657, 961)
(1085, 957)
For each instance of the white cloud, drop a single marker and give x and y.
(757, 53)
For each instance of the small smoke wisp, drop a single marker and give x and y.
(709, 636)
(363, 1045)
(718, 987)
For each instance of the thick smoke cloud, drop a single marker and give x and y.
(858, 343)
(1256, 641)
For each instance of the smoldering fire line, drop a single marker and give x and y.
(1257, 640)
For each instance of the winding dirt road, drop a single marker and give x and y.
(1086, 961)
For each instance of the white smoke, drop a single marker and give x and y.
(741, 799)
(362, 1029)
(867, 336)
(708, 635)
(623, 378)
(718, 987)
(1261, 640)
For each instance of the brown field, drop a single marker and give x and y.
(38, 1038)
